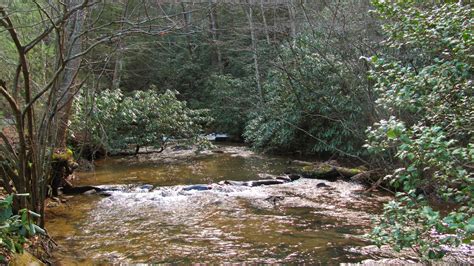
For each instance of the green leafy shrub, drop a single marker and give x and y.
(314, 102)
(145, 118)
(15, 229)
(231, 100)
(430, 129)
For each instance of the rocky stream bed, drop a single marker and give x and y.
(180, 207)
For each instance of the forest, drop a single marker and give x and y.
(236, 131)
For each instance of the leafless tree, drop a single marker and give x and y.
(40, 111)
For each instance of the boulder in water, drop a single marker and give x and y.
(294, 177)
(275, 199)
(146, 186)
(321, 185)
(264, 182)
(197, 187)
(233, 183)
(284, 178)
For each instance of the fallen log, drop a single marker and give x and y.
(302, 163)
(70, 190)
(254, 183)
(328, 171)
(265, 182)
(285, 177)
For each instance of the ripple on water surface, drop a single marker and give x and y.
(165, 222)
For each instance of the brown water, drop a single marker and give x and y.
(164, 222)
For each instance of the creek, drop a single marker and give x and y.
(152, 216)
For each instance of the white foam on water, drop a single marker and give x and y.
(300, 193)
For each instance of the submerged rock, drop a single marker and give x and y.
(233, 183)
(104, 194)
(275, 199)
(321, 185)
(294, 177)
(285, 177)
(146, 187)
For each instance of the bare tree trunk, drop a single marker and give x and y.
(292, 18)
(214, 35)
(265, 25)
(187, 22)
(119, 54)
(275, 23)
(249, 13)
(71, 46)
(26, 165)
(118, 66)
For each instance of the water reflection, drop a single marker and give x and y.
(167, 223)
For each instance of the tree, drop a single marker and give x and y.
(427, 95)
(317, 97)
(25, 166)
(253, 38)
(39, 101)
(69, 46)
(145, 118)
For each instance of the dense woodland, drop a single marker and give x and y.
(383, 84)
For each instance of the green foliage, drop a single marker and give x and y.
(26, 18)
(232, 101)
(312, 102)
(15, 229)
(145, 118)
(430, 131)
(63, 155)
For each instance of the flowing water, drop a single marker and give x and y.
(154, 215)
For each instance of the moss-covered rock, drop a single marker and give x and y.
(63, 155)
(328, 171)
(25, 259)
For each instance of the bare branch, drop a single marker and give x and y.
(57, 23)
